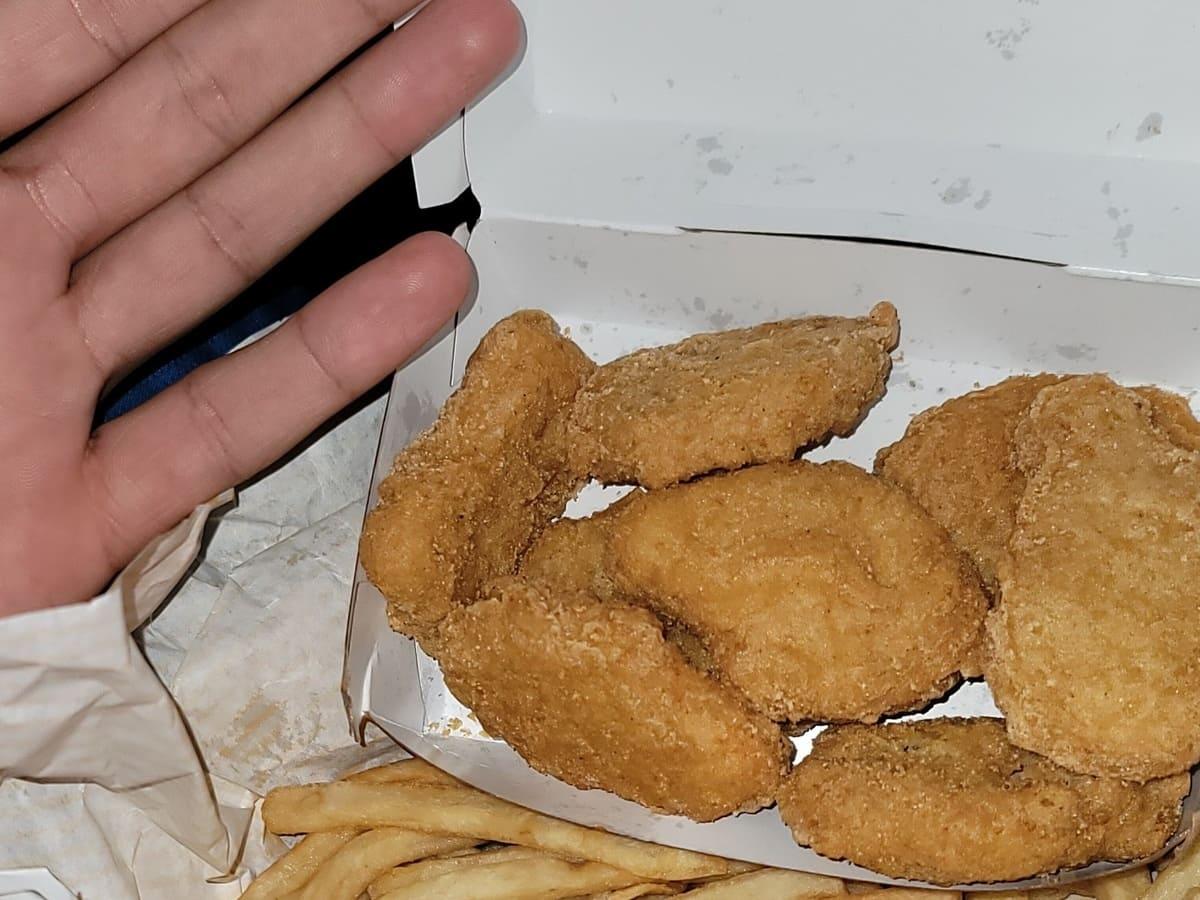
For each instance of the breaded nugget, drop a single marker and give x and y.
(1095, 645)
(465, 498)
(951, 801)
(956, 461)
(591, 693)
(725, 400)
(822, 592)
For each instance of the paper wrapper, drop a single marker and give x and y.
(249, 646)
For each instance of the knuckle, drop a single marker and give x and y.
(207, 215)
(211, 427)
(202, 94)
(98, 20)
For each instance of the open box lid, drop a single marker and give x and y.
(1058, 132)
(627, 125)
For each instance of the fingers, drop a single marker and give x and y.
(51, 51)
(233, 417)
(183, 104)
(172, 268)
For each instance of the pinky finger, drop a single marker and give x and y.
(233, 417)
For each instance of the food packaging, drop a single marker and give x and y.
(1020, 188)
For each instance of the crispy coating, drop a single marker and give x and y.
(465, 498)
(956, 461)
(1095, 645)
(591, 693)
(726, 400)
(951, 801)
(822, 592)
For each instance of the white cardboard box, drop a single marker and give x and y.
(655, 169)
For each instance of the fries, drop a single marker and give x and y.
(510, 873)
(296, 867)
(408, 831)
(771, 884)
(445, 809)
(349, 871)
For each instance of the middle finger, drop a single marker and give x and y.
(183, 104)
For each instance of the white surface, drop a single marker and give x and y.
(1060, 131)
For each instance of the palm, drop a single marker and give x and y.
(156, 197)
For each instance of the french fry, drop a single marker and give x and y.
(500, 875)
(1131, 885)
(771, 884)
(406, 771)
(454, 862)
(638, 890)
(465, 812)
(295, 868)
(346, 874)
(1179, 878)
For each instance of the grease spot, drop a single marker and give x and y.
(1076, 352)
(1121, 239)
(1151, 127)
(1006, 39)
(984, 199)
(580, 262)
(720, 166)
(417, 411)
(699, 303)
(957, 192)
(720, 320)
(708, 144)
(1106, 188)
(1113, 212)
(670, 82)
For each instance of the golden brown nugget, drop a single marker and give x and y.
(465, 498)
(951, 801)
(1095, 645)
(729, 399)
(822, 592)
(956, 461)
(591, 693)
(572, 556)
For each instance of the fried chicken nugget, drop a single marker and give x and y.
(951, 801)
(822, 592)
(956, 460)
(725, 400)
(1095, 644)
(591, 693)
(465, 498)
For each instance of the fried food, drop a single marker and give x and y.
(464, 500)
(821, 592)
(729, 399)
(572, 556)
(951, 801)
(591, 693)
(1095, 645)
(956, 461)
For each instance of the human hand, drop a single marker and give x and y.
(160, 194)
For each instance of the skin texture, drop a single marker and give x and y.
(951, 801)
(1095, 645)
(956, 460)
(821, 591)
(464, 500)
(591, 693)
(760, 393)
(162, 180)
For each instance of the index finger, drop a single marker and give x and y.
(51, 51)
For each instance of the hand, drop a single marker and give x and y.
(160, 194)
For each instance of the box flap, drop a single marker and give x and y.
(1061, 132)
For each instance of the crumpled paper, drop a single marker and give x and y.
(250, 646)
